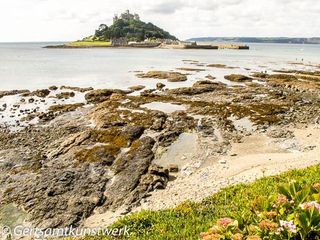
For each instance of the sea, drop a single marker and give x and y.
(30, 66)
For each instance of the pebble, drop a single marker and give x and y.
(222, 161)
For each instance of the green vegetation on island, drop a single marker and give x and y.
(269, 208)
(89, 44)
(130, 27)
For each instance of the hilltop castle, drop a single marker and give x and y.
(127, 16)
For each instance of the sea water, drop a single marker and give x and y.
(30, 66)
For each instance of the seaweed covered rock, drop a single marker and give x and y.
(101, 95)
(41, 93)
(199, 87)
(137, 87)
(104, 154)
(77, 89)
(169, 76)
(237, 78)
(13, 92)
(160, 86)
(65, 95)
(65, 107)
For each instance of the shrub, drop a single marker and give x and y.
(292, 213)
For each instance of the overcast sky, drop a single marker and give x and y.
(61, 20)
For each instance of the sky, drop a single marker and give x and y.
(66, 20)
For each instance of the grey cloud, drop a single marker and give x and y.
(168, 7)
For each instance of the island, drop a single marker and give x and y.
(128, 30)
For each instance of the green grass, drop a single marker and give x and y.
(89, 44)
(189, 219)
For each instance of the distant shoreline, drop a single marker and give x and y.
(279, 40)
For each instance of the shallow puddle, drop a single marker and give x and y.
(15, 107)
(242, 124)
(180, 152)
(164, 107)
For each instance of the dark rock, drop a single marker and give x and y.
(101, 95)
(42, 93)
(97, 96)
(170, 76)
(60, 198)
(12, 92)
(159, 121)
(65, 95)
(180, 122)
(147, 92)
(207, 83)
(237, 78)
(133, 132)
(61, 108)
(137, 87)
(210, 77)
(283, 77)
(77, 89)
(46, 116)
(160, 86)
(260, 75)
(166, 139)
(198, 88)
(53, 88)
(173, 168)
(129, 168)
(158, 170)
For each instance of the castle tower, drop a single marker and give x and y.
(136, 17)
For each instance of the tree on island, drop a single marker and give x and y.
(130, 26)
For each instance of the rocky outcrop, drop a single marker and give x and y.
(129, 168)
(217, 65)
(198, 88)
(41, 93)
(160, 86)
(13, 92)
(101, 157)
(77, 89)
(137, 87)
(169, 76)
(166, 139)
(101, 95)
(210, 77)
(65, 95)
(53, 88)
(191, 69)
(59, 198)
(237, 78)
(64, 186)
(156, 178)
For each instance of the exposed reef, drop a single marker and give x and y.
(106, 153)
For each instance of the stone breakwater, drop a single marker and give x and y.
(175, 45)
(107, 152)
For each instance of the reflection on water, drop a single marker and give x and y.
(164, 107)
